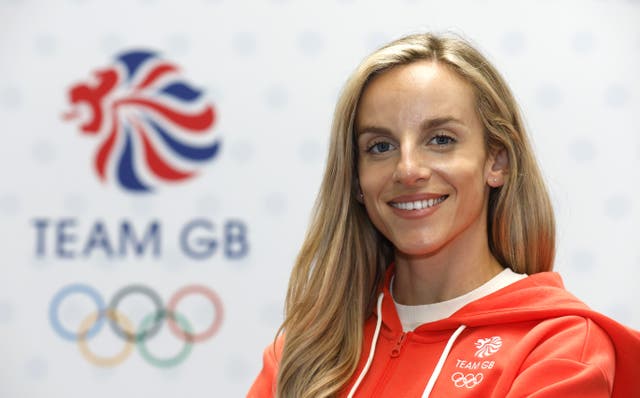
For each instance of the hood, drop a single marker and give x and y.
(538, 297)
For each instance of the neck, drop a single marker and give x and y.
(447, 274)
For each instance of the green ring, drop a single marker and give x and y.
(165, 362)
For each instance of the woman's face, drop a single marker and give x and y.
(422, 164)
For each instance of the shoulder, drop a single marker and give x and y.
(274, 350)
(265, 383)
(568, 356)
(570, 348)
(572, 337)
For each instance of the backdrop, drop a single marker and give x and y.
(164, 155)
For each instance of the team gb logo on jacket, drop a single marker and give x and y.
(470, 373)
(488, 347)
(153, 127)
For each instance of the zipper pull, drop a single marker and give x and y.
(395, 352)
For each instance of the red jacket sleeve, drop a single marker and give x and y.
(576, 362)
(264, 385)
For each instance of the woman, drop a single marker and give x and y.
(424, 271)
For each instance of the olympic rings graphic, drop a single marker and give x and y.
(124, 328)
(84, 347)
(469, 380)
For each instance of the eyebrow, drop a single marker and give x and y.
(437, 122)
(426, 125)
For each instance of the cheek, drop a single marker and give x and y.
(463, 174)
(372, 184)
(367, 184)
(372, 178)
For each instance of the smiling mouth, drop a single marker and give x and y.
(418, 204)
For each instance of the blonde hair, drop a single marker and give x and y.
(343, 258)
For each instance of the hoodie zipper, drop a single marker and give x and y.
(395, 352)
(391, 364)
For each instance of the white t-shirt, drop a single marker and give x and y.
(412, 316)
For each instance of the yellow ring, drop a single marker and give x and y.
(88, 322)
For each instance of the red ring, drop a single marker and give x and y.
(217, 304)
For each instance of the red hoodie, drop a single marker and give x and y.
(529, 339)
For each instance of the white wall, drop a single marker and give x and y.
(272, 70)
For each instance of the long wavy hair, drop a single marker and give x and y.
(343, 258)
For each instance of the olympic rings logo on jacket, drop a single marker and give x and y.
(123, 327)
(469, 380)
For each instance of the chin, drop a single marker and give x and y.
(421, 249)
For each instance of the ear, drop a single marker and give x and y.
(360, 195)
(498, 168)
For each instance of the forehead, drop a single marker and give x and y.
(414, 92)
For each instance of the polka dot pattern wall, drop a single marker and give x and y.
(271, 71)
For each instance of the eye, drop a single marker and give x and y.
(379, 147)
(442, 140)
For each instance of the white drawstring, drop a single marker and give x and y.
(440, 364)
(371, 350)
(374, 341)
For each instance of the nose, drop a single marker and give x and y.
(412, 167)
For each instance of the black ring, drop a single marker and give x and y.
(159, 315)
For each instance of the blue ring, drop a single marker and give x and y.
(61, 295)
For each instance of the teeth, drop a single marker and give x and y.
(418, 204)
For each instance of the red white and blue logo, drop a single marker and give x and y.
(154, 127)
